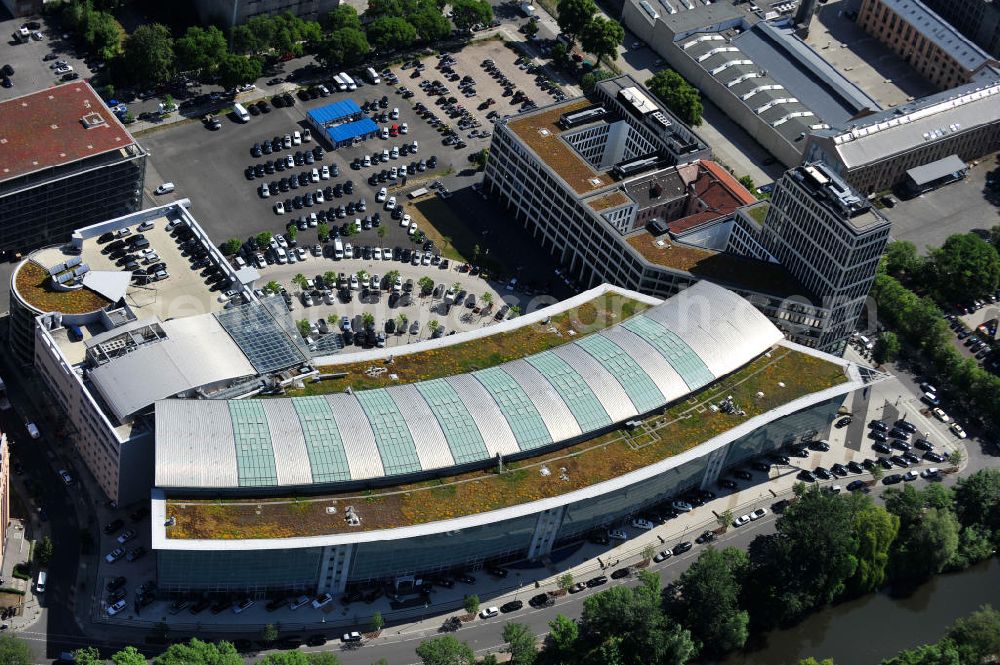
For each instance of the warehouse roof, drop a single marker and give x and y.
(56, 126)
(921, 175)
(549, 398)
(345, 108)
(351, 130)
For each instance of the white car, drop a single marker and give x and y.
(395, 113)
(287, 142)
(32, 429)
(757, 514)
(306, 134)
(957, 430)
(941, 415)
(265, 191)
(279, 208)
(741, 520)
(384, 133)
(314, 175)
(319, 196)
(404, 222)
(354, 283)
(386, 254)
(300, 252)
(367, 161)
(114, 554)
(395, 153)
(66, 478)
(412, 229)
(383, 193)
(296, 138)
(289, 162)
(617, 534)
(117, 607)
(645, 525)
(353, 636)
(390, 204)
(403, 129)
(385, 155)
(489, 613)
(322, 601)
(930, 473)
(324, 173)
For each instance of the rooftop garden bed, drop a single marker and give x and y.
(597, 314)
(759, 212)
(609, 200)
(33, 284)
(782, 376)
(717, 266)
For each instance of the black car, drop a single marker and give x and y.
(906, 425)
(743, 475)
(806, 476)
(878, 435)
(821, 472)
(892, 479)
(599, 538)
(798, 451)
(111, 527)
(899, 461)
(291, 642)
(820, 445)
(761, 466)
(843, 422)
(705, 537)
(855, 485)
(497, 571)
(512, 606)
(779, 458)
(727, 483)
(596, 581)
(620, 573)
(885, 462)
(116, 595)
(838, 469)
(263, 106)
(681, 548)
(900, 445)
(542, 600)
(115, 583)
(275, 604)
(932, 456)
(854, 467)
(878, 425)
(880, 447)
(911, 458)
(315, 641)
(200, 606)
(923, 444)
(288, 99)
(466, 578)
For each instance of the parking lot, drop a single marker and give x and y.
(31, 72)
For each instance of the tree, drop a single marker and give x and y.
(197, 652)
(128, 656)
(323, 231)
(977, 502)
(964, 268)
(886, 348)
(445, 651)
(724, 519)
(877, 472)
(14, 651)
(628, 625)
(488, 298)
(433, 325)
(343, 47)
(269, 635)
(231, 246)
(43, 551)
(105, 35)
(401, 322)
(977, 636)
(391, 33)
(236, 70)
(368, 319)
(472, 600)
(520, 643)
(343, 16)
(928, 545)
(812, 661)
(709, 602)
(565, 581)
(200, 49)
(426, 285)
(149, 54)
(561, 642)
(304, 328)
(285, 658)
(273, 286)
(263, 239)
(942, 653)
(299, 280)
(377, 623)
(467, 13)
(430, 23)
(381, 233)
(86, 656)
(677, 94)
(648, 552)
(902, 259)
(876, 529)
(574, 16)
(327, 658)
(602, 38)
(292, 231)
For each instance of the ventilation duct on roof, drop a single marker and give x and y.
(92, 120)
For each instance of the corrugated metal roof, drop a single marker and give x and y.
(351, 130)
(556, 396)
(334, 112)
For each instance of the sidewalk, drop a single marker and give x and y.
(17, 549)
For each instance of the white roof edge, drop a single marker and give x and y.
(161, 542)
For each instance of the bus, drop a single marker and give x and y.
(351, 85)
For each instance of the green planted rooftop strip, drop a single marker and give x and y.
(602, 312)
(759, 212)
(784, 376)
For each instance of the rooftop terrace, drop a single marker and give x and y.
(35, 288)
(782, 375)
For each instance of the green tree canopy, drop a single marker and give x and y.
(709, 603)
(236, 70)
(87, 656)
(602, 38)
(467, 13)
(876, 530)
(44, 550)
(574, 15)
(942, 653)
(430, 24)
(105, 35)
(682, 98)
(964, 268)
(391, 33)
(902, 259)
(445, 650)
(197, 652)
(200, 49)
(520, 643)
(977, 502)
(128, 656)
(14, 651)
(343, 47)
(886, 347)
(561, 642)
(149, 54)
(291, 657)
(977, 637)
(343, 16)
(928, 545)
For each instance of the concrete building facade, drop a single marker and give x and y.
(234, 12)
(932, 46)
(67, 162)
(979, 20)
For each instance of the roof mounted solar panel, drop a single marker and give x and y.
(56, 269)
(80, 270)
(582, 116)
(73, 261)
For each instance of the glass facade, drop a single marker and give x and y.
(251, 571)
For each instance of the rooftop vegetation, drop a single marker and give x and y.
(781, 376)
(34, 285)
(597, 314)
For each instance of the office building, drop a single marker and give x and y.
(66, 162)
(647, 223)
(234, 12)
(527, 456)
(874, 153)
(979, 20)
(761, 73)
(933, 47)
(829, 238)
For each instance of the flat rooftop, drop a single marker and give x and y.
(56, 126)
(33, 284)
(541, 132)
(782, 376)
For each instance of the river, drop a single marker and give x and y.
(864, 631)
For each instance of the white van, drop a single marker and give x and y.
(40, 584)
(280, 255)
(373, 76)
(241, 113)
(338, 249)
(340, 83)
(351, 85)
(165, 188)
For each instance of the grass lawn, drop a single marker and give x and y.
(597, 314)
(449, 234)
(685, 425)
